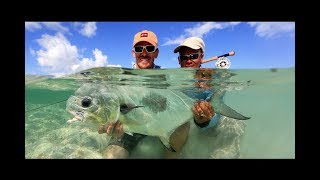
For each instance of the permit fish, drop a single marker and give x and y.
(153, 112)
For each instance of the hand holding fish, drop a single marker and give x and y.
(114, 129)
(203, 111)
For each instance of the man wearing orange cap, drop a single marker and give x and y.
(145, 51)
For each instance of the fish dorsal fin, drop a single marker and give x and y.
(125, 108)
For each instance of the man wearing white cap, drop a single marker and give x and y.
(191, 53)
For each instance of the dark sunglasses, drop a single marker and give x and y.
(191, 56)
(149, 49)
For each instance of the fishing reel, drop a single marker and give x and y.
(223, 63)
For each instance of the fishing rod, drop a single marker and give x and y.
(231, 53)
(46, 105)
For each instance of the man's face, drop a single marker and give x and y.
(144, 59)
(190, 58)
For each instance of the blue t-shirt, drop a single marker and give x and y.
(206, 96)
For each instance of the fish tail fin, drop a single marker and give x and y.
(229, 112)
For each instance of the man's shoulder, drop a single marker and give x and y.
(156, 67)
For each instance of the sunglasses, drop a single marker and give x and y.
(148, 48)
(191, 56)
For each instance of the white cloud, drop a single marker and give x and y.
(203, 28)
(58, 56)
(234, 23)
(56, 53)
(177, 40)
(56, 26)
(199, 30)
(88, 29)
(113, 65)
(32, 52)
(99, 60)
(32, 26)
(273, 29)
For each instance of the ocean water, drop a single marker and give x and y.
(267, 96)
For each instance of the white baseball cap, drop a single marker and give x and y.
(191, 42)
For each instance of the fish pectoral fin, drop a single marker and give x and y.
(229, 112)
(165, 141)
(125, 108)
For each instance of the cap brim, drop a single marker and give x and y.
(177, 49)
(153, 43)
(195, 47)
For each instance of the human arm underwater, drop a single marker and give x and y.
(114, 129)
(204, 113)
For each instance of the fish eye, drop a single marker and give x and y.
(86, 102)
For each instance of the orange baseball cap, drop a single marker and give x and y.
(147, 36)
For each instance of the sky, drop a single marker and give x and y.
(61, 48)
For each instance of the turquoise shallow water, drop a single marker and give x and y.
(268, 97)
(270, 101)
